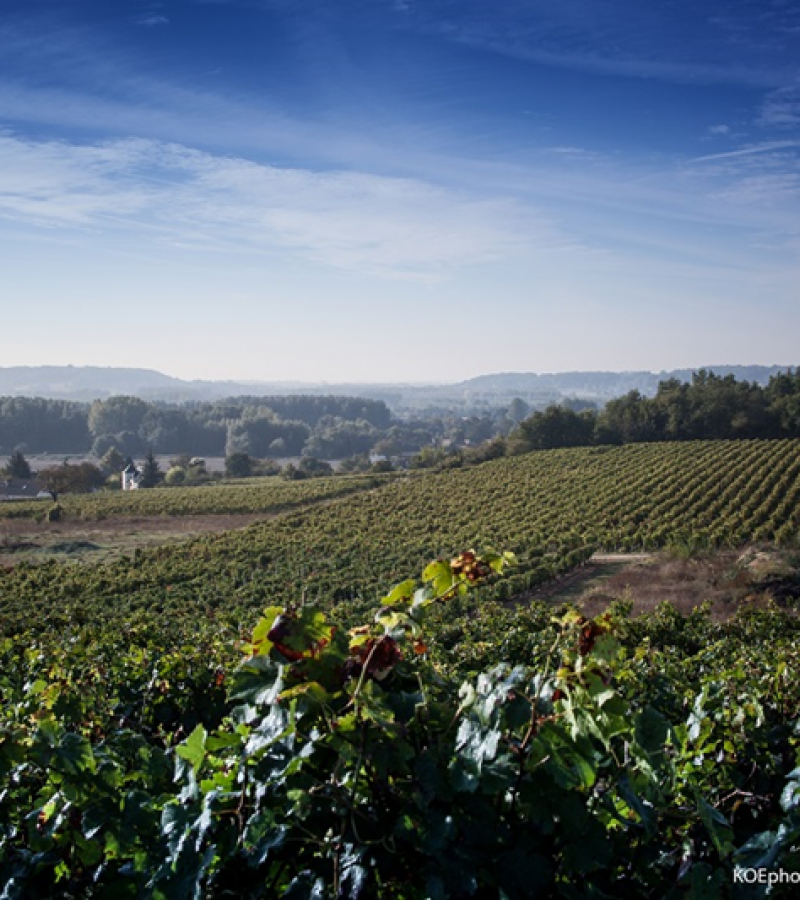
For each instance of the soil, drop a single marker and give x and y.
(107, 539)
(726, 579)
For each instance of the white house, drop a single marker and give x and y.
(130, 477)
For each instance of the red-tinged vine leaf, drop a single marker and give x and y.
(298, 635)
(359, 639)
(588, 636)
(260, 643)
(284, 629)
(379, 655)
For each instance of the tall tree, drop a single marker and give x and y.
(151, 472)
(18, 466)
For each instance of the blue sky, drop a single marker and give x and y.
(399, 190)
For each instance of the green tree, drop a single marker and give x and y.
(18, 466)
(239, 465)
(68, 479)
(113, 462)
(358, 463)
(314, 467)
(175, 476)
(556, 426)
(151, 472)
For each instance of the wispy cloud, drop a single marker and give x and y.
(396, 227)
(753, 150)
(152, 19)
(678, 42)
(781, 108)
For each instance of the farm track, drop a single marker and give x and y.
(103, 540)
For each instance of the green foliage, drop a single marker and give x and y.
(151, 472)
(78, 479)
(18, 466)
(113, 462)
(443, 745)
(238, 465)
(556, 426)
(358, 763)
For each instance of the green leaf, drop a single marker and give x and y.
(717, 826)
(437, 569)
(193, 749)
(260, 643)
(606, 648)
(651, 730)
(74, 754)
(403, 592)
(313, 690)
(261, 836)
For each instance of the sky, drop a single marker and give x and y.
(399, 190)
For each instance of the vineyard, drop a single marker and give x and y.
(267, 495)
(457, 744)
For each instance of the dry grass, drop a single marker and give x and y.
(726, 580)
(106, 539)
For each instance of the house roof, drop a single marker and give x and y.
(19, 489)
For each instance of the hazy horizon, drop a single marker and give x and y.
(398, 191)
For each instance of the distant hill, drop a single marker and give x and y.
(601, 385)
(82, 382)
(88, 383)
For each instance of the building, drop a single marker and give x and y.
(130, 477)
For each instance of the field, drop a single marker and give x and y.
(683, 719)
(105, 526)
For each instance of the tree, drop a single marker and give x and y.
(358, 463)
(175, 476)
(18, 466)
(69, 479)
(116, 414)
(113, 462)
(554, 427)
(151, 471)
(266, 467)
(315, 468)
(239, 465)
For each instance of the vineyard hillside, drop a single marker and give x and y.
(553, 509)
(285, 711)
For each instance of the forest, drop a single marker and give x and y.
(708, 407)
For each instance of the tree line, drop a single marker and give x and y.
(261, 426)
(710, 407)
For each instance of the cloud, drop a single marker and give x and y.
(753, 150)
(781, 108)
(393, 226)
(678, 42)
(152, 20)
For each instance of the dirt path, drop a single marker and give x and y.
(571, 587)
(106, 539)
(724, 579)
